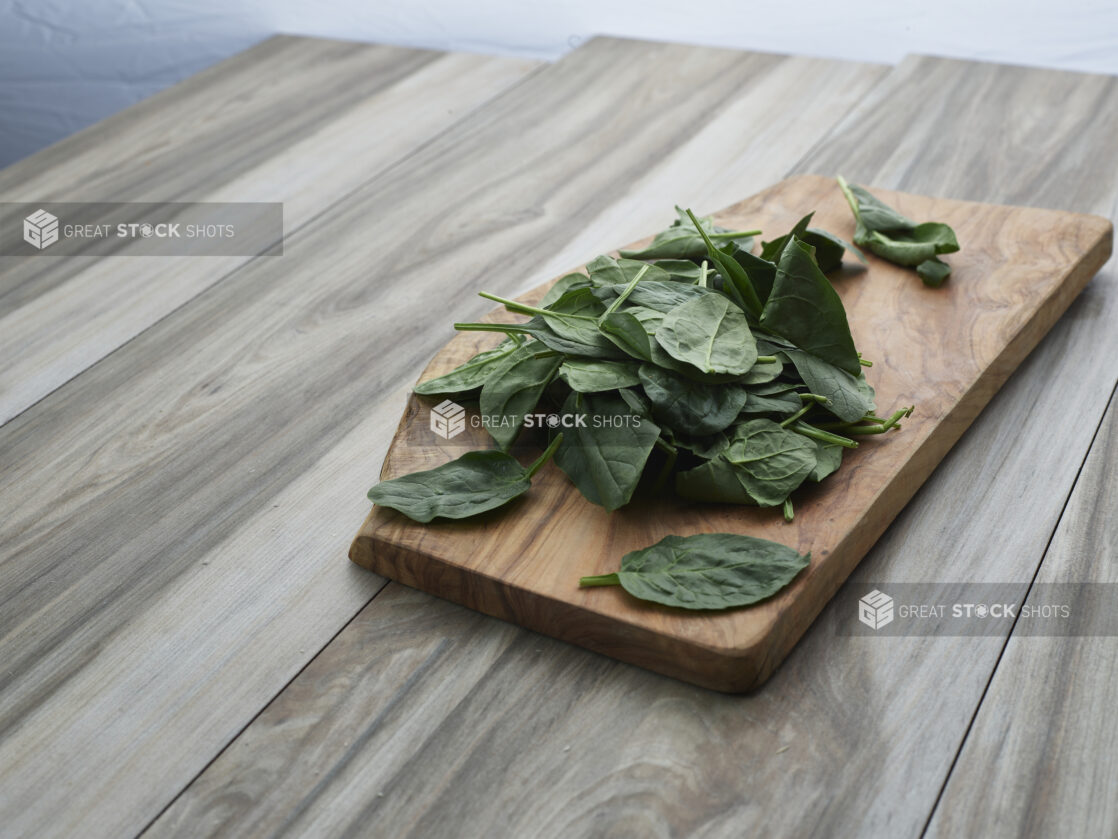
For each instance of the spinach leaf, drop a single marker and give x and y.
(892, 236)
(683, 241)
(681, 270)
(627, 333)
(513, 391)
(933, 271)
(848, 397)
(590, 376)
(772, 251)
(762, 372)
(717, 481)
(607, 271)
(828, 458)
(771, 461)
(710, 333)
(568, 282)
(605, 455)
(761, 272)
(829, 249)
(691, 407)
(474, 483)
(469, 376)
(636, 400)
(574, 316)
(781, 404)
(706, 571)
(654, 294)
(650, 318)
(704, 447)
(762, 464)
(736, 281)
(805, 309)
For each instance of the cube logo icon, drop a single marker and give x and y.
(875, 609)
(40, 229)
(448, 419)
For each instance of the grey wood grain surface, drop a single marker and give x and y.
(173, 552)
(301, 121)
(476, 728)
(1040, 757)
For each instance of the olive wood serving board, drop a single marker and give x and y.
(946, 350)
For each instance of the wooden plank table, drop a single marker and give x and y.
(186, 650)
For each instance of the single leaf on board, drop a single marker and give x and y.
(706, 571)
(474, 483)
(892, 236)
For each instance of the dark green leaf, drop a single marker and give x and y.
(538, 328)
(849, 397)
(828, 458)
(761, 272)
(607, 271)
(652, 294)
(829, 248)
(592, 376)
(933, 271)
(682, 270)
(771, 251)
(805, 309)
(606, 455)
(636, 400)
(568, 282)
(715, 482)
(706, 571)
(469, 376)
(898, 239)
(762, 372)
(683, 241)
(736, 281)
(474, 483)
(513, 391)
(771, 461)
(709, 333)
(691, 407)
(650, 318)
(781, 404)
(704, 447)
(628, 334)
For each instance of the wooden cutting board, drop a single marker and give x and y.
(945, 350)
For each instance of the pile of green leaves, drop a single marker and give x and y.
(702, 370)
(885, 232)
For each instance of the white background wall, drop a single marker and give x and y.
(67, 63)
